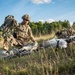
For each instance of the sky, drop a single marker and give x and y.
(39, 10)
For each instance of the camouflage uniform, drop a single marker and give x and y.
(8, 29)
(65, 33)
(24, 34)
(70, 31)
(61, 34)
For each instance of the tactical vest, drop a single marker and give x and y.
(23, 36)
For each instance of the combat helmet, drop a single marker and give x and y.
(9, 17)
(26, 16)
(8, 20)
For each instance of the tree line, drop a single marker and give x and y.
(40, 28)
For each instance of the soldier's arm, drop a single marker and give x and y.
(31, 35)
(35, 43)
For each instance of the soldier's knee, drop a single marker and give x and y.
(6, 46)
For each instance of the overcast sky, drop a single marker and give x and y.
(44, 10)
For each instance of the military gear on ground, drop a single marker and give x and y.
(31, 48)
(26, 17)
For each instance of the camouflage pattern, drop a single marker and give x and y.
(65, 33)
(24, 34)
(9, 42)
(61, 34)
(26, 16)
(8, 29)
(9, 23)
(70, 31)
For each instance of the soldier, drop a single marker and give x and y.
(7, 28)
(58, 34)
(70, 31)
(61, 34)
(24, 32)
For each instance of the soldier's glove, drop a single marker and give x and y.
(35, 43)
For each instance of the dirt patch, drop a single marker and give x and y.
(45, 37)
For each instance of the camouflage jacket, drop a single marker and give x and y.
(9, 26)
(24, 34)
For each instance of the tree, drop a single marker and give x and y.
(40, 27)
(73, 25)
(34, 28)
(66, 24)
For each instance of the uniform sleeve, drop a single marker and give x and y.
(1, 27)
(30, 34)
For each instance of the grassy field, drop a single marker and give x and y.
(44, 62)
(45, 37)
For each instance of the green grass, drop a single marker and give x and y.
(44, 62)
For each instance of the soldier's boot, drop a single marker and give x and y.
(6, 46)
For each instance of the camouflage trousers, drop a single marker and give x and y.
(9, 41)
